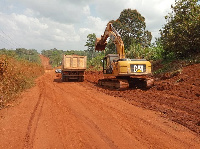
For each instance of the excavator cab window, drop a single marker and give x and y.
(107, 63)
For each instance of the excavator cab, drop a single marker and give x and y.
(107, 63)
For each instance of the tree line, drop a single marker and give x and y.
(21, 53)
(179, 38)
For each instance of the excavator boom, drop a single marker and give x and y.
(110, 31)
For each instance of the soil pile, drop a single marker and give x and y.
(176, 98)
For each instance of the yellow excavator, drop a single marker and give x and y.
(120, 72)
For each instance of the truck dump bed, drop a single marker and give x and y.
(74, 62)
(73, 67)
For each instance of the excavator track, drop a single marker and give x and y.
(115, 83)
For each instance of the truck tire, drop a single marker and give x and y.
(81, 79)
(67, 79)
(63, 79)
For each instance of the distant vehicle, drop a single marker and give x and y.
(58, 70)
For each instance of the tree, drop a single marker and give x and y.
(181, 33)
(90, 43)
(132, 28)
(31, 55)
(56, 57)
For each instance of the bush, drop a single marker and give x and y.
(155, 52)
(96, 62)
(16, 76)
(181, 33)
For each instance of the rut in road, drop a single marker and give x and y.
(34, 118)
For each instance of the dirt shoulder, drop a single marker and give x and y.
(177, 98)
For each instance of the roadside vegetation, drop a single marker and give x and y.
(18, 70)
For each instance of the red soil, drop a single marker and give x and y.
(177, 98)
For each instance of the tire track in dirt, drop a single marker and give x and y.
(34, 119)
(56, 111)
(121, 119)
(88, 121)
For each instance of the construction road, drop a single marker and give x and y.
(73, 115)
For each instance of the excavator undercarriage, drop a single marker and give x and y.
(125, 83)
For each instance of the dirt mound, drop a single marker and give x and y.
(177, 98)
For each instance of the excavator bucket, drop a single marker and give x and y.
(99, 46)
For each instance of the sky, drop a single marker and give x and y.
(65, 24)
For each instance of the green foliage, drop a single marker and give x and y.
(132, 28)
(90, 43)
(110, 48)
(136, 51)
(75, 52)
(154, 52)
(31, 55)
(23, 54)
(181, 35)
(7, 52)
(96, 62)
(55, 56)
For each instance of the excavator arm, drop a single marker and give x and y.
(110, 31)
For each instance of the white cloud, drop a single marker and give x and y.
(86, 10)
(33, 32)
(84, 30)
(65, 24)
(31, 13)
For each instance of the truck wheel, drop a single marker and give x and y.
(81, 79)
(63, 79)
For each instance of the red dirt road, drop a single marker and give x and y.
(76, 115)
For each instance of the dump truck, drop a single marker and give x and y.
(73, 68)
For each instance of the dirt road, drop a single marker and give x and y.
(75, 115)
